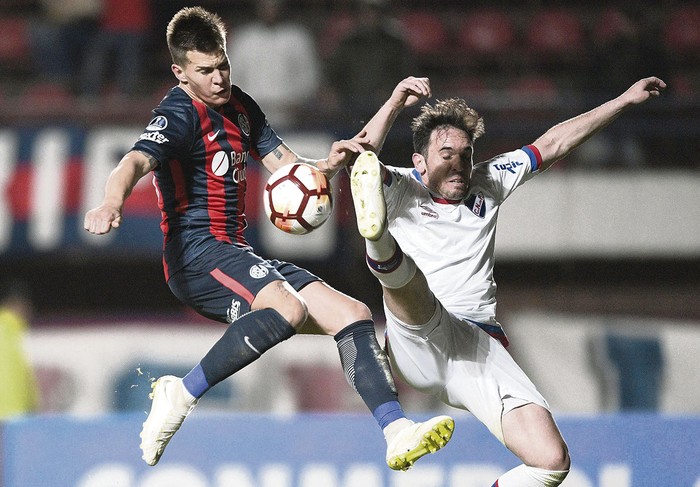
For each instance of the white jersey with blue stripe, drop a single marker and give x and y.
(453, 242)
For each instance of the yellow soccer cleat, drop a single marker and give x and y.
(417, 440)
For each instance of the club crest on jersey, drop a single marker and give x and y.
(477, 204)
(258, 271)
(244, 124)
(158, 123)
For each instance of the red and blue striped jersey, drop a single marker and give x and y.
(200, 178)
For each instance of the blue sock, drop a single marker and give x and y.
(367, 370)
(195, 382)
(242, 343)
(388, 413)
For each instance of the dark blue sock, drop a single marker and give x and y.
(388, 413)
(242, 343)
(367, 369)
(195, 382)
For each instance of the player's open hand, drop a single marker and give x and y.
(102, 219)
(410, 91)
(344, 152)
(644, 89)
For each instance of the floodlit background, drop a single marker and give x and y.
(598, 260)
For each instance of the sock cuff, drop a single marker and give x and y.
(195, 382)
(388, 413)
(356, 328)
(386, 266)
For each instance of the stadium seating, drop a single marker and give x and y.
(57, 387)
(639, 368)
(681, 33)
(554, 38)
(485, 36)
(336, 26)
(426, 34)
(15, 51)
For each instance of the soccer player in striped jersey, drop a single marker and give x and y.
(197, 145)
(430, 236)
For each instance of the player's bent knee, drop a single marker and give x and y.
(282, 298)
(294, 311)
(556, 458)
(356, 311)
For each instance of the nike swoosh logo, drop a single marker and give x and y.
(247, 342)
(212, 135)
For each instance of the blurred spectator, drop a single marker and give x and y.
(276, 61)
(60, 36)
(19, 395)
(625, 47)
(120, 43)
(363, 70)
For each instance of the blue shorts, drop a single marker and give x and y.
(222, 282)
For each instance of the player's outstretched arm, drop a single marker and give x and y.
(407, 93)
(564, 137)
(340, 154)
(133, 166)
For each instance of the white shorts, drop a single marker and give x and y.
(461, 364)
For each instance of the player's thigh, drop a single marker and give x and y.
(413, 303)
(484, 378)
(223, 282)
(531, 433)
(421, 354)
(330, 310)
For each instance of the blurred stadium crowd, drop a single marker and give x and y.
(523, 65)
(102, 60)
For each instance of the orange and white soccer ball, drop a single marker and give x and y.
(298, 198)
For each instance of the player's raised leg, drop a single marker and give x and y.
(243, 342)
(406, 291)
(366, 368)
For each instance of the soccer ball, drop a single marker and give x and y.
(298, 198)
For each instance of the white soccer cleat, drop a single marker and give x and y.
(368, 195)
(169, 409)
(417, 440)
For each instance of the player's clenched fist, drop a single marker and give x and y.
(102, 219)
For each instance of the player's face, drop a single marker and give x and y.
(206, 77)
(448, 168)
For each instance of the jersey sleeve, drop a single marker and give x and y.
(508, 171)
(169, 135)
(265, 139)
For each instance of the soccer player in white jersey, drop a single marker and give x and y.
(430, 234)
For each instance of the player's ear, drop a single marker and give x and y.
(179, 73)
(419, 163)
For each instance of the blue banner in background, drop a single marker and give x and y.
(247, 450)
(51, 175)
